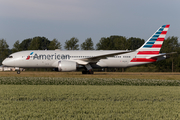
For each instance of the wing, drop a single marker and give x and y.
(95, 59)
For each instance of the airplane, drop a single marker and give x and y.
(71, 60)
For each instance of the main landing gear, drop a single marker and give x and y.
(89, 69)
(88, 72)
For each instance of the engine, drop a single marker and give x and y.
(65, 66)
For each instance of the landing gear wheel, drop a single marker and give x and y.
(18, 72)
(87, 72)
(90, 72)
(84, 72)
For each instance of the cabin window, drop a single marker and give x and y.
(10, 57)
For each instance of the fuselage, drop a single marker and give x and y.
(50, 58)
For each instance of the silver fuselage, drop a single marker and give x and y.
(50, 58)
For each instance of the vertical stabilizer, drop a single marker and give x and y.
(153, 44)
(151, 47)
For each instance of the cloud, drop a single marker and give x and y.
(49, 10)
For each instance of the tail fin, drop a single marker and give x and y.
(149, 51)
(153, 45)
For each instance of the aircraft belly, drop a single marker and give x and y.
(113, 63)
(34, 63)
(137, 63)
(27, 63)
(45, 63)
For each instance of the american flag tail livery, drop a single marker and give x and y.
(149, 51)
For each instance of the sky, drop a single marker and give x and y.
(64, 19)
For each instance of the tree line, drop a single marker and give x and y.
(170, 44)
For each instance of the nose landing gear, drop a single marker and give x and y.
(18, 72)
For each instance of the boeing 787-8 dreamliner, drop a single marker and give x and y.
(71, 60)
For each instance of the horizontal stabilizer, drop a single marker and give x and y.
(160, 55)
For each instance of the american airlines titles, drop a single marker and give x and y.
(50, 56)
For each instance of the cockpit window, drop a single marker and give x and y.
(10, 57)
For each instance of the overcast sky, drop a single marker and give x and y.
(64, 19)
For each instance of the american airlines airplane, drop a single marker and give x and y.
(72, 60)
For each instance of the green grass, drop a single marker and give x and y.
(89, 102)
(86, 81)
(126, 75)
(88, 98)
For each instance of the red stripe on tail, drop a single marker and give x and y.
(167, 26)
(163, 32)
(148, 52)
(160, 39)
(157, 46)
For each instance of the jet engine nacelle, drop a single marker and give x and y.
(67, 66)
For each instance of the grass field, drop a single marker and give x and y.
(86, 81)
(89, 102)
(54, 95)
(136, 75)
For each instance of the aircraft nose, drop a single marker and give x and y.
(7, 62)
(4, 62)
